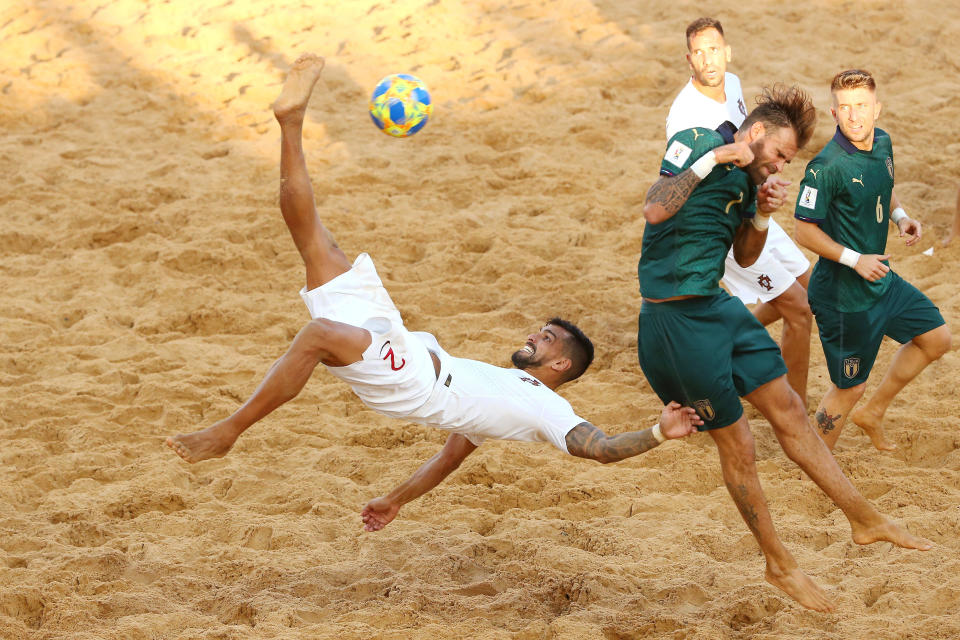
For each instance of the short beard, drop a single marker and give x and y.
(521, 359)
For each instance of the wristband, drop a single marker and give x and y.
(849, 257)
(760, 222)
(704, 165)
(655, 430)
(897, 215)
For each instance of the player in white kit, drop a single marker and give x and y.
(358, 334)
(778, 279)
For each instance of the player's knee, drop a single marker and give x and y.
(939, 343)
(318, 335)
(794, 307)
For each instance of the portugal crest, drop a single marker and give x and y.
(890, 166)
(851, 367)
(705, 409)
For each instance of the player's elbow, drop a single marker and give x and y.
(654, 213)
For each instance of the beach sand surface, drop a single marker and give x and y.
(148, 282)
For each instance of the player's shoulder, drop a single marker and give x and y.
(882, 140)
(697, 137)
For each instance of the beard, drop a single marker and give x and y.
(522, 360)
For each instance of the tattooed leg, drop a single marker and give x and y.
(834, 410)
(737, 460)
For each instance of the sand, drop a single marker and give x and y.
(148, 282)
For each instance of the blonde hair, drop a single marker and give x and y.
(853, 79)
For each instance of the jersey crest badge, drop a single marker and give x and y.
(743, 109)
(851, 367)
(705, 409)
(532, 381)
(808, 198)
(765, 282)
(890, 166)
(678, 153)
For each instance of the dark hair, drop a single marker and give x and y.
(579, 348)
(702, 24)
(783, 106)
(853, 79)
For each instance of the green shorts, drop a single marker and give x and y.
(852, 339)
(705, 353)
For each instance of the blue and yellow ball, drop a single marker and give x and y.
(400, 105)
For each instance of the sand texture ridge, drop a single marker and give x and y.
(147, 283)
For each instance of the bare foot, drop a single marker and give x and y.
(212, 442)
(800, 587)
(889, 531)
(298, 86)
(870, 424)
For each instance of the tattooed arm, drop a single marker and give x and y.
(669, 193)
(587, 441)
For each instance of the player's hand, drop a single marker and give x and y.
(870, 266)
(378, 513)
(772, 194)
(738, 153)
(910, 228)
(677, 421)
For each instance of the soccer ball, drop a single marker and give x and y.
(400, 105)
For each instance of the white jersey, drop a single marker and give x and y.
(396, 376)
(483, 401)
(693, 109)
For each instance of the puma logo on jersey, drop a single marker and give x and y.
(860, 179)
(814, 172)
(696, 134)
(733, 202)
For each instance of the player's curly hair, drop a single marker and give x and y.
(578, 348)
(781, 106)
(702, 24)
(853, 79)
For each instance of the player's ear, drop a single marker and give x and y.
(689, 62)
(757, 130)
(876, 111)
(562, 365)
(729, 53)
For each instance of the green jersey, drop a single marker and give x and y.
(685, 254)
(846, 191)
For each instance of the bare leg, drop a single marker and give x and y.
(795, 343)
(955, 229)
(766, 313)
(322, 257)
(781, 406)
(332, 343)
(738, 462)
(908, 362)
(832, 414)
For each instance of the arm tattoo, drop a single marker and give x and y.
(742, 499)
(825, 422)
(672, 193)
(586, 441)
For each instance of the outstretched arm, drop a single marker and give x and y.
(379, 512)
(868, 266)
(587, 441)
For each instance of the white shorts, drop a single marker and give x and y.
(777, 268)
(395, 377)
